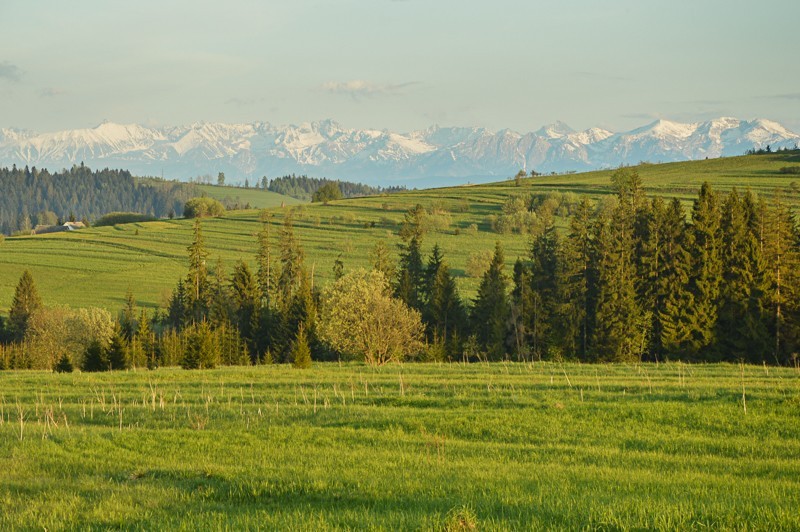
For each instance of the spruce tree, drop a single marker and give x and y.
(741, 325)
(620, 329)
(64, 364)
(197, 286)
(673, 315)
(381, 260)
(246, 298)
(95, 358)
(301, 352)
(543, 277)
(706, 273)
(444, 314)
(127, 319)
(491, 310)
(573, 283)
(264, 259)
(411, 274)
(292, 259)
(521, 305)
(176, 311)
(782, 256)
(117, 352)
(220, 298)
(26, 301)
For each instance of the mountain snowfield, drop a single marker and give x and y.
(429, 157)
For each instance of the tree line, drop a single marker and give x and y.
(303, 187)
(630, 279)
(33, 197)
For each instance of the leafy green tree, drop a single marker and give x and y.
(203, 207)
(360, 318)
(221, 179)
(338, 267)
(328, 192)
(491, 311)
(26, 301)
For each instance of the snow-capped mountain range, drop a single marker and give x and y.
(429, 157)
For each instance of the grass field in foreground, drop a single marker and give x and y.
(416, 446)
(96, 266)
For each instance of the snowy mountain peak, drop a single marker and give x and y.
(556, 130)
(430, 156)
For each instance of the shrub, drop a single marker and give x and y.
(114, 218)
(64, 364)
(791, 170)
(478, 262)
(202, 207)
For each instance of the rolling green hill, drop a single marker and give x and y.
(95, 267)
(255, 197)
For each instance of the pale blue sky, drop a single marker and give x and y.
(397, 64)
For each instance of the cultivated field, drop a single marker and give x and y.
(96, 267)
(417, 446)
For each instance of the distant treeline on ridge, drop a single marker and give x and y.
(33, 197)
(303, 187)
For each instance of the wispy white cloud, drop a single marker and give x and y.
(359, 88)
(10, 72)
(51, 92)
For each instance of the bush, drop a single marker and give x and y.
(478, 262)
(114, 218)
(791, 170)
(203, 207)
(64, 364)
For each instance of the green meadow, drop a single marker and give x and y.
(414, 446)
(96, 266)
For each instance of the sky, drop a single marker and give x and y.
(397, 64)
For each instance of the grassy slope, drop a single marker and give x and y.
(522, 446)
(97, 266)
(258, 199)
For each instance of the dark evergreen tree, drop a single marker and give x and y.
(117, 352)
(26, 301)
(706, 274)
(543, 306)
(620, 328)
(176, 311)
(574, 277)
(64, 364)
(445, 315)
(741, 325)
(264, 260)
(127, 318)
(411, 274)
(301, 352)
(197, 293)
(246, 298)
(491, 311)
(95, 358)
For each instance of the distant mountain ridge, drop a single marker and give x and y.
(436, 155)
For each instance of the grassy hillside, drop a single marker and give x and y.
(95, 267)
(408, 447)
(257, 198)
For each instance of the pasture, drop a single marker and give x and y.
(415, 446)
(96, 266)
